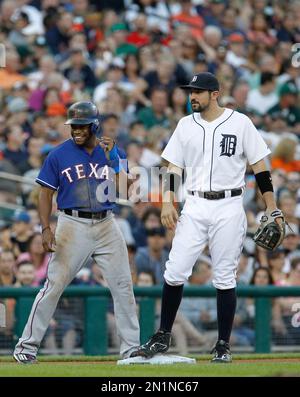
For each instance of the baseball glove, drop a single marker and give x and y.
(270, 234)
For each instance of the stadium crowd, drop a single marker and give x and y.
(129, 57)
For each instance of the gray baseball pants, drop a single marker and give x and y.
(76, 240)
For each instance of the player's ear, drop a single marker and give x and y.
(215, 94)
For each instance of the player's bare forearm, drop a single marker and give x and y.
(169, 215)
(45, 209)
(260, 166)
(269, 200)
(268, 197)
(45, 205)
(168, 196)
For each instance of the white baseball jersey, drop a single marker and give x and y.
(215, 154)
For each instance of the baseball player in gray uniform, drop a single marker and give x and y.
(213, 145)
(78, 169)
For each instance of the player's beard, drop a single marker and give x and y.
(199, 108)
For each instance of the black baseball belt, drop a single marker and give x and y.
(87, 215)
(216, 195)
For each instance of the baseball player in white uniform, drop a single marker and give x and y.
(213, 145)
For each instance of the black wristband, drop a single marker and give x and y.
(45, 228)
(172, 182)
(264, 181)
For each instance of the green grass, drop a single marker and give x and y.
(81, 366)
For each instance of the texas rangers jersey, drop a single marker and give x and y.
(76, 175)
(215, 154)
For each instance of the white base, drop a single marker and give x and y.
(157, 360)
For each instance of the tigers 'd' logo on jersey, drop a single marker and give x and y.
(228, 145)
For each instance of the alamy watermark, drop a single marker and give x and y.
(2, 56)
(296, 56)
(145, 184)
(296, 317)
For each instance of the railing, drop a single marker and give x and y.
(96, 301)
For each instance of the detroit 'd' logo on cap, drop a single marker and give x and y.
(194, 79)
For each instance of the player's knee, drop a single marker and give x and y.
(174, 278)
(56, 287)
(224, 283)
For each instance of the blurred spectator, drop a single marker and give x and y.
(139, 85)
(134, 151)
(35, 253)
(178, 106)
(189, 16)
(7, 279)
(156, 139)
(245, 268)
(230, 21)
(262, 99)
(149, 219)
(153, 257)
(39, 126)
(262, 276)
(58, 36)
(34, 158)
(212, 11)
(119, 36)
(25, 274)
(240, 94)
(236, 55)
(145, 278)
(139, 36)
(163, 76)
(288, 31)
(137, 132)
(226, 76)
(287, 204)
(291, 246)
(287, 108)
(6, 12)
(17, 36)
(284, 156)
(243, 333)
(80, 70)
(276, 260)
(211, 42)
(156, 114)
(293, 188)
(259, 31)
(157, 12)
(15, 151)
(46, 65)
(21, 232)
(7, 268)
(10, 75)
(114, 78)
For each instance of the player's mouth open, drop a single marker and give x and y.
(78, 137)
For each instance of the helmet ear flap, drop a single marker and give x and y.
(95, 126)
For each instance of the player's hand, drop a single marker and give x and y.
(279, 220)
(48, 240)
(106, 143)
(169, 216)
